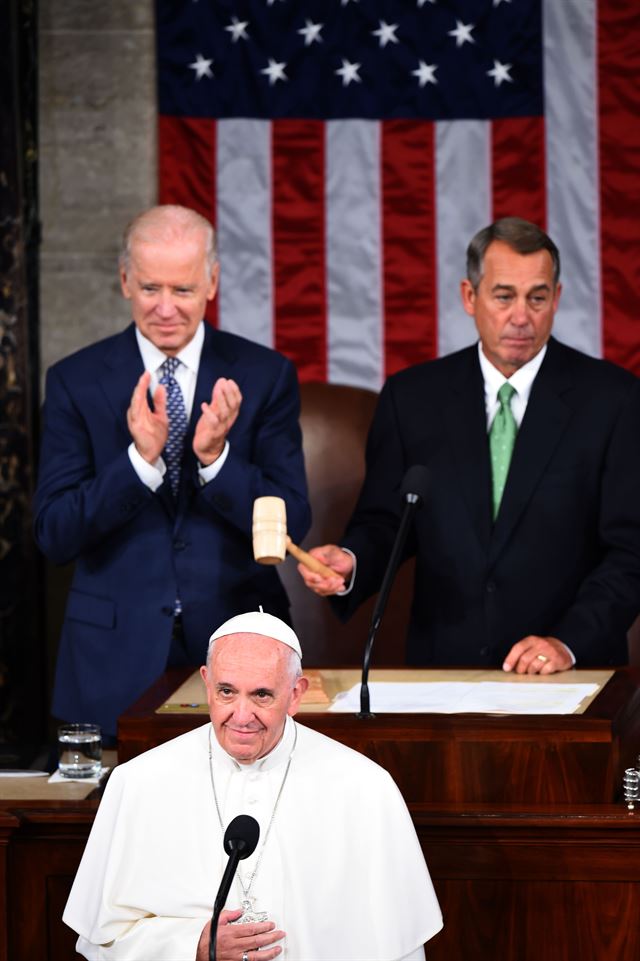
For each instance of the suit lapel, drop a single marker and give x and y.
(122, 369)
(546, 419)
(466, 422)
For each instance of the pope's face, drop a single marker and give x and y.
(514, 305)
(169, 284)
(251, 690)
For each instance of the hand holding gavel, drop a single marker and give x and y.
(271, 541)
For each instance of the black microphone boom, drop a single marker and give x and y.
(413, 491)
(240, 841)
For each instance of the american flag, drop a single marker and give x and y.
(347, 150)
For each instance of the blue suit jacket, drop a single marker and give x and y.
(135, 551)
(563, 556)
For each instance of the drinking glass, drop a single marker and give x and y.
(79, 750)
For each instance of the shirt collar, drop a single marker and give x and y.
(522, 380)
(276, 756)
(153, 357)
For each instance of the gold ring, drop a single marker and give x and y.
(541, 657)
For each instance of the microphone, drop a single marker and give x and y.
(240, 841)
(413, 491)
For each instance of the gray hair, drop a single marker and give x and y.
(171, 222)
(521, 235)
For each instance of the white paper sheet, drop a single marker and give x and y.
(58, 778)
(456, 697)
(13, 773)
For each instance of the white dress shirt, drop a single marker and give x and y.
(521, 381)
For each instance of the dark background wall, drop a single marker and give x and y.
(21, 674)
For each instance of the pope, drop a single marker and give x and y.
(338, 872)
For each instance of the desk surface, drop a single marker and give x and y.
(326, 683)
(39, 789)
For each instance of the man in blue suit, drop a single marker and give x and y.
(155, 444)
(528, 544)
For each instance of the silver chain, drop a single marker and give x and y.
(245, 891)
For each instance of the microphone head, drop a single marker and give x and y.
(242, 836)
(415, 484)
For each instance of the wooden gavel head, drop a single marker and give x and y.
(269, 530)
(270, 539)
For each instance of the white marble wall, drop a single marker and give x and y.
(97, 160)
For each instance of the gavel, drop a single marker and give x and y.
(271, 541)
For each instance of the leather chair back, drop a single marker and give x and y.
(335, 421)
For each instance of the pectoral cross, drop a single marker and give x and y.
(249, 914)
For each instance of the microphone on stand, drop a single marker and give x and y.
(413, 491)
(240, 841)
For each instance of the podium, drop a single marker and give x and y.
(447, 758)
(532, 854)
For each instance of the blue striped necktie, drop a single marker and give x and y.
(177, 415)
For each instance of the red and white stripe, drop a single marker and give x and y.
(343, 243)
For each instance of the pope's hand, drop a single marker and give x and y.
(148, 428)
(335, 558)
(234, 940)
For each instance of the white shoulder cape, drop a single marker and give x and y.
(342, 871)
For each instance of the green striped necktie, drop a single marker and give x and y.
(502, 437)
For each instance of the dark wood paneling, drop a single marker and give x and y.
(44, 855)
(472, 758)
(8, 824)
(535, 921)
(551, 885)
(516, 883)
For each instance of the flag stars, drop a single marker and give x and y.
(386, 33)
(202, 67)
(500, 73)
(425, 73)
(462, 33)
(275, 71)
(311, 32)
(238, 29)
(349, 73)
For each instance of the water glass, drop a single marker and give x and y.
(79, 750)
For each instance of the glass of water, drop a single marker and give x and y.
(79, 750)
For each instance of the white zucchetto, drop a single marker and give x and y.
(258, 622)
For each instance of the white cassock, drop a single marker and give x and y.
(341, 872)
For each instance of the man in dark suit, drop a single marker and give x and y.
(528, 543)
(155, 444)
